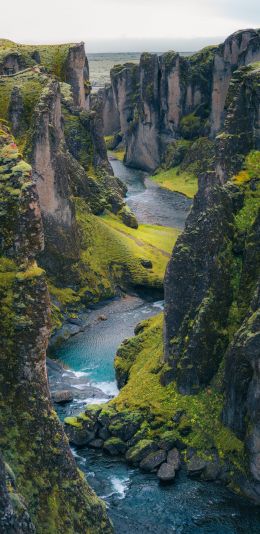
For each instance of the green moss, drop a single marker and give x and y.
(144, 392)
(176, 180)
(104, 267)
(53, 57)
(246, 216)
(73, 421)
(31, 272)
(190, 126)
(118, 153)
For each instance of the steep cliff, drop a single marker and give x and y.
(174, 97)
(40, 484)
(211, 312)
(68, 62)
(190, 383)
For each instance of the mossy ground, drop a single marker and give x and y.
(112, 253)
(177, 180)
(250, 173)
(144, 392)
(53, 57)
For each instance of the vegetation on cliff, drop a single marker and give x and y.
(46, 484)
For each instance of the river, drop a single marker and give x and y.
(137, 503)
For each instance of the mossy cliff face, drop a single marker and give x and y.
(66, 148)
(211, 283)
(46, 489)
(154, 426)
(67, 62)
(175, 97)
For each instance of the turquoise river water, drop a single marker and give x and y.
(137, 503)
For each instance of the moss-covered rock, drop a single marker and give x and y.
(50, 493)
(137, 453)
(114, 446)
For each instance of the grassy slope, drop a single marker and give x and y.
(112, 252)
(144, 391)
(175, 180)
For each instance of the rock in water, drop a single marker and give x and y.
(153, 460)
(166, 473)
(173, 458)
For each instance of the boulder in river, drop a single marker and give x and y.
(153, 460)
(196, 466)
(96, 443)
(62, 397)
(173, 458)
(167, 440)
(137, 453)
(114, 446)
(166, 472)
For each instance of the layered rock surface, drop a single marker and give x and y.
(211, 283)
(171, 96)
(46, 491)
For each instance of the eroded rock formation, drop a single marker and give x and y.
(53, 495)
(211, 283)
(168, 97)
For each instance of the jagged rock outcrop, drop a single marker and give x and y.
(174, 97)
(110, 114)
(32, 439)
(14, 517)
(64, 143)
(241, 48)
(211, 283)
(68, 62)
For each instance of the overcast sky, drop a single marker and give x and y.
(127, 25)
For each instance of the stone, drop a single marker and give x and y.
(173, 458)
(211, 471)
(125, 425)
(167, 440)
(153, 460)
(196, 466)
(96, 443)
(62, 397)
(137, 453)
(128, 217)
(78, 435)
(147, 264)
(166, 473)
(102, 318)
(104, 433)
(114, 446)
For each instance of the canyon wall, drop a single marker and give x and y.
(212, 280)
(171, 97)
(41, 488)
(46, 105)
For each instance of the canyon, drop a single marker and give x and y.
(70, 238)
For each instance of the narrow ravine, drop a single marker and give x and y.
(136, 502)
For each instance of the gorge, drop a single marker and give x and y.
(85, 241)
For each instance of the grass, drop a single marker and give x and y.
(246, 216)
(160, 237)
(176, 180)
(118, 153)
(112, 253)
(144, 392)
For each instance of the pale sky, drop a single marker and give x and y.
(127, 25)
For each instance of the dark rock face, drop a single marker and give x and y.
(14, 517)
(153, 460)
(32, 439)
(77, 74)
(16, 110)
(171, 96)
(166, 473)
(212, 280)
